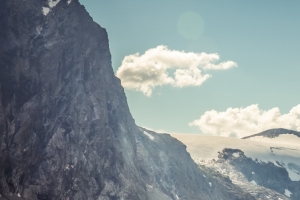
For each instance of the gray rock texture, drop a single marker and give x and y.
(65, 128)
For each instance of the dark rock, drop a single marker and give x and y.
(272, 133)
(65, 128)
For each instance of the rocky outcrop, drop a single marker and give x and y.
(272, 133)
(264, 174)
(65, 128)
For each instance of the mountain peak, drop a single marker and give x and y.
(66, 131)
(272, 133)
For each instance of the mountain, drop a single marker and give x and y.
(66, 131)
(267, 165)
(272, 133)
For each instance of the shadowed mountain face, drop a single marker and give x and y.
(65, 128)
(65, 123)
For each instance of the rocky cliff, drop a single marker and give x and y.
(65, 128)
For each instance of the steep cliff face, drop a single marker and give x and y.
(65, 128)
(64, 116)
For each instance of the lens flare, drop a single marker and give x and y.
(190, 25)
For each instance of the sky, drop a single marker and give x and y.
(228, 68)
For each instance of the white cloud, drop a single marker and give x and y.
(153, 68)
(241, 122)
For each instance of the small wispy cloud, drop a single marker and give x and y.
(241, 122)
(145, 72)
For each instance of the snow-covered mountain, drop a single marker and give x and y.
(270, 159)
(273, 133)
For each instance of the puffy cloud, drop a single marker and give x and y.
(153, 68)
(241, 122)
(187, 77)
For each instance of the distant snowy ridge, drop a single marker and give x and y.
(272, 133)
(276, 151)
(283, 150)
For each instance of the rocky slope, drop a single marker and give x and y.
(65, 128)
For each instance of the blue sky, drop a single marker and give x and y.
(262, 37)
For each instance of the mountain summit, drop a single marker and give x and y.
(272, 133)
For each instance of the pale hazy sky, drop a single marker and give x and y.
(173, 85)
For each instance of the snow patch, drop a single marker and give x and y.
(148, 135)
(53, 3)
(46, 10)
(39, 29)
(253, 172)
(253, 182)
(68, 167)
(287, 193)
(281, 139)
(69, 1)
(95, 107)
(209, 184)
(236, 154)
(239, 179)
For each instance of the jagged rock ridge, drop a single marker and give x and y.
(65, 128)
(272, 133)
